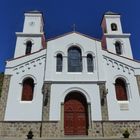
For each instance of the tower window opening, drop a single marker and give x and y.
(28, 47)
(114, 27)
(118, 48)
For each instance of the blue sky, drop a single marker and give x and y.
(60, 15)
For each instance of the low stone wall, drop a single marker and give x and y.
(115, 128)
(51, 129)
(96, 129)
(21, 129)
(54, 129)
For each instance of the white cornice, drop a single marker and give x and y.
(33, 14)
(21, 34)
(112, 16)
(118, 35)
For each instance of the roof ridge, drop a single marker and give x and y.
(82, 34)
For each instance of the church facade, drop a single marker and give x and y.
(72, 84)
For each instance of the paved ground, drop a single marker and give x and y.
(69, 138)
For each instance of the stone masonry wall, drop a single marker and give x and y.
(21, 129)
(53, 129)
(96, 130)
(115, 128)
(1, 81)
(4, 95)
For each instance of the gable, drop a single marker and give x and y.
(62, 43)
(72, 33)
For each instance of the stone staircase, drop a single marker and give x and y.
(70, 138)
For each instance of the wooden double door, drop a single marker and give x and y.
(75, 115)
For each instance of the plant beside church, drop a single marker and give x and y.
(126, 133)
(30, 134)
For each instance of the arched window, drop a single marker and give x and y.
(121, 89)
(27, 89)
(114, 27)
(59, 63)
(74, 59)
(118, 48)
(28, 47)
(90, 63)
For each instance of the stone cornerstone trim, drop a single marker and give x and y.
(4, 95)
(46, 101)
(104, 108)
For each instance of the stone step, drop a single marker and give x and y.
(90, 139)
(69, 138)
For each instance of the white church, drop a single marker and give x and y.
(73, 84)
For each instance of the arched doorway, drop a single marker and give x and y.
(75, 114)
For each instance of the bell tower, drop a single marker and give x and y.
(33, 22)
(114, 40)
(32, 38)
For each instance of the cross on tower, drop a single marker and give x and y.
(74, 27)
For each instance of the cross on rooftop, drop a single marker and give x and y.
(74, 27)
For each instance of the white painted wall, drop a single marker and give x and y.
(32, 31)
(32, 65)
(17, 110)
(33, 23)
(21, 44)
(42, 67)
(109, 19)
(113, 70)
(107, 67)
(125, 42)
(61, 45)
(110, 37)
(119, 66)
(59, 92)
